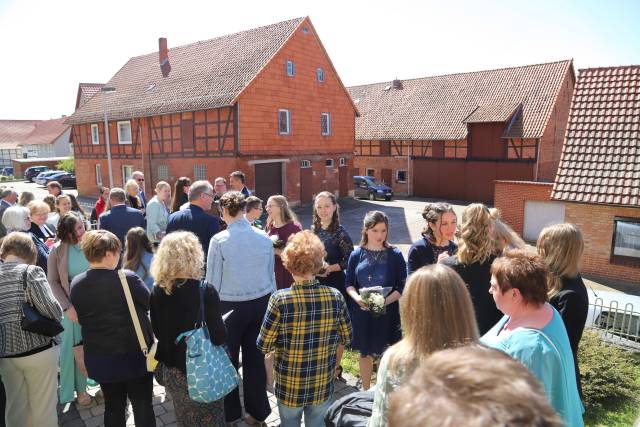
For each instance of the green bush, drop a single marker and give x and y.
(609, 374)
(67, 165)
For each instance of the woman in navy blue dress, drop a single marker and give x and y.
(437, 237)
(374, 263)
(337, 244)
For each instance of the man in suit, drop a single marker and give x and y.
(194, 217)
(237, 182)
(8, 198)
(121, 218)
(139, 178)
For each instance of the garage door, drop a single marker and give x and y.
(268, 180)
(537, 215)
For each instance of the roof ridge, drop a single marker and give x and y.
(614, 67)
(466, 72)
(155, 52)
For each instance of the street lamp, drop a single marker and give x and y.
(105, 90)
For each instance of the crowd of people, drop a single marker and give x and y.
(474, 327)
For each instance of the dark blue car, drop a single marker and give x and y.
(368, 187)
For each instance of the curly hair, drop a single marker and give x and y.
(66, 231)
(431, 213)
(476, 244)
(304, 254)
(234, 202)
(335, 219)
(179, 257)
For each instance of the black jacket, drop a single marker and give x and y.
(35, 229)
(422, 252)
(107, 328)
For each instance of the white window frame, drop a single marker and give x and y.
(120, 140)
(328, 130)
(398, 176)
(328, 163)
(291, 68)
(288, 115)
(305, 164)
(320, 74)
(95, 141)
(127, 173)
(98, 174)
(342, 161)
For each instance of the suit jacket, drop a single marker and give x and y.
(58, 273)
(35, 229)
(120, 219)
(196, 220)
(3, 207)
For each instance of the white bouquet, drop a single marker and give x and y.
(374, 298)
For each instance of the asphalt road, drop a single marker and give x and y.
(37, 190)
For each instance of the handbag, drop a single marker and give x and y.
(149, 354)
(32, 320)
(210, 373)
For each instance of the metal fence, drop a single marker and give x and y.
(616, 323)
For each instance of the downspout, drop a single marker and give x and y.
(535, 177)
(409, 147)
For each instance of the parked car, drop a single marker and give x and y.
(32, 172)
(8, 171)
(53, 177)
(41, 178)
(368, 187)
(67, 179)
(615, 313)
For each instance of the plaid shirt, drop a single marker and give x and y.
(303, 325)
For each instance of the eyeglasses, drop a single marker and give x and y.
(210, 195)
(140, 179)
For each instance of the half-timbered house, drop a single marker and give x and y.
(451, 136)
(266, 101)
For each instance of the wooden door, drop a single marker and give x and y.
(387, 176)
(343, 181)
(306, 185)
(268, 179)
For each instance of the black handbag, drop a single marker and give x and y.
(32, 320)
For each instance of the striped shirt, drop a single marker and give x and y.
(304, 325)
(13, 339)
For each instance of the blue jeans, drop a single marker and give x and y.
(313, 415)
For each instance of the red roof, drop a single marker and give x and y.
(86, 91)
(601, 153)
(14, 133)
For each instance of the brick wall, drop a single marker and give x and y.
(362, 163)
(510, 197)
(553, 136)
(596, 223)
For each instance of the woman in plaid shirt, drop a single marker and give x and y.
(303, 326)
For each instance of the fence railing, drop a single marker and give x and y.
(617, 323)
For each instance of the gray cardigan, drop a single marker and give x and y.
(58, 273)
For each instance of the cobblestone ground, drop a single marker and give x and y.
(72, 415)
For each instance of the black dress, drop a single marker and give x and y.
(572, 302)
(422, 252)
(477, 277)
(338, 245)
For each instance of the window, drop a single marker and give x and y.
(284, 122)
(98, 174)
(95, 135)
(401, 176)
(329, 163)
(305, 163)
(342, 161)
(325, 124)
(626, 240)
(320, 75)
(127, 171)
(200, 172)
(371, 172)
(163, 172)
(124, 133)
(291, 68)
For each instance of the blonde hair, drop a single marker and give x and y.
(560, 246)
(304, 254)
(162, 184)
(19, 245)
(179, 256)
(434, 296)
(286, 213)
(476, 244)
(38, 206)
(504, 237)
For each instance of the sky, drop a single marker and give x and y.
(47, 47)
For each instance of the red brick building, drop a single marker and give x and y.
(451, 136)
(598, 180)
(266, 101)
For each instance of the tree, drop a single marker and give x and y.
(67, 165)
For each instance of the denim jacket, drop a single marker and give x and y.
(240, 263)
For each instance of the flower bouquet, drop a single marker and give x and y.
(277, 243)
(374, 298)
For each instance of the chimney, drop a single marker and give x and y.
(163, 57)
(397, 84)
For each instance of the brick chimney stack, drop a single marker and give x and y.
(163, 56)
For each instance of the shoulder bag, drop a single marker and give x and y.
(149, 354)
(32, 320)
